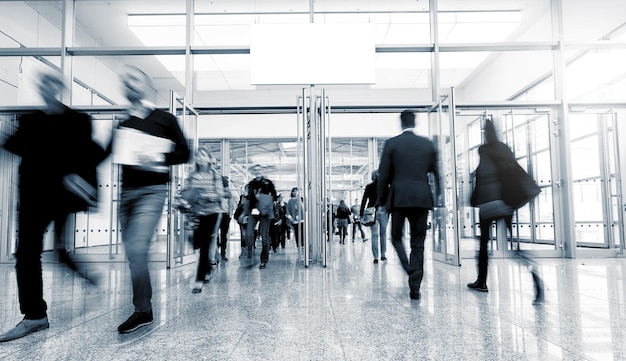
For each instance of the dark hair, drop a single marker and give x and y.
(407, 119)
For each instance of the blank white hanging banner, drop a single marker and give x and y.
(288, 54)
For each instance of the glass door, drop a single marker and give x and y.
(179, 229)
(445, 220)
(528, 133)
(596, 179)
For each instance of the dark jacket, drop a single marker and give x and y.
(369, 196)
(52, 146)
(343, 213)
(499, 176)
(488, 185)
(405, 165)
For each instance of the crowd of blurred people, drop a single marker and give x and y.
(62, 180)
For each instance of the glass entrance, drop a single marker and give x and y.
(596, 179)
(528, 133)
(444, 221)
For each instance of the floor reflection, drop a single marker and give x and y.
(350, 310)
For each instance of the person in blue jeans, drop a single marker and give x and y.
(144, 189)
(379, 228)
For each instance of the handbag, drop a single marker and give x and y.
(518, 186)
(369, 216)
(265, 204)
(186, 201)
(495, 209)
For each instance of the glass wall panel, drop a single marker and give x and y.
(19, 78)
(100, 76)
(533, 224)
(594, 20)
(31, 24)
(132, 23)
(497, 75)
(489, 21)
(589, 140)
(596, 74)
(228, 24)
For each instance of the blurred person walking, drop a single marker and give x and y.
(209, 187)
(241, 216)
(378, 228)
(404, 190)
(228, 205)
(57, 177)
(295, 217)
(261, 196)
(277, 234)
(342, 217)
(356, 220)
(144, 187)
(501, 187)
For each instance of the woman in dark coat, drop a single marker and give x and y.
(499, 184)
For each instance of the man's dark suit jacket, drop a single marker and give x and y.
(404, 166)
(52, 146)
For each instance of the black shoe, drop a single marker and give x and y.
(375, 260)
(477, 286)
(136, 320)
(415, 295)
(263, 264)
(197, 287)
(383, 258)
(224, 258)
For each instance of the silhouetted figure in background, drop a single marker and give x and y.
(229, 204)
(261, 197)
(356, 221)
(343, 219)
(295, 217)
(379, 228)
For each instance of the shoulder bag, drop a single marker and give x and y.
(369, 216)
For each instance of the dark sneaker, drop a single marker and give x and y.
(197, 287)
(25, 327)
(136, 320)
(263, 264)
(383, 258)
(478, 286)
(375, 260)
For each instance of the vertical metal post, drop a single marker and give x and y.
(454, 202)
(322, 226)
(618, 179)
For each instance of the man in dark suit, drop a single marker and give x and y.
(56, 149)
(404, 190)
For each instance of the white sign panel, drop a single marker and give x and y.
(288, 54)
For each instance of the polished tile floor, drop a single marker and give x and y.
(350, 310)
